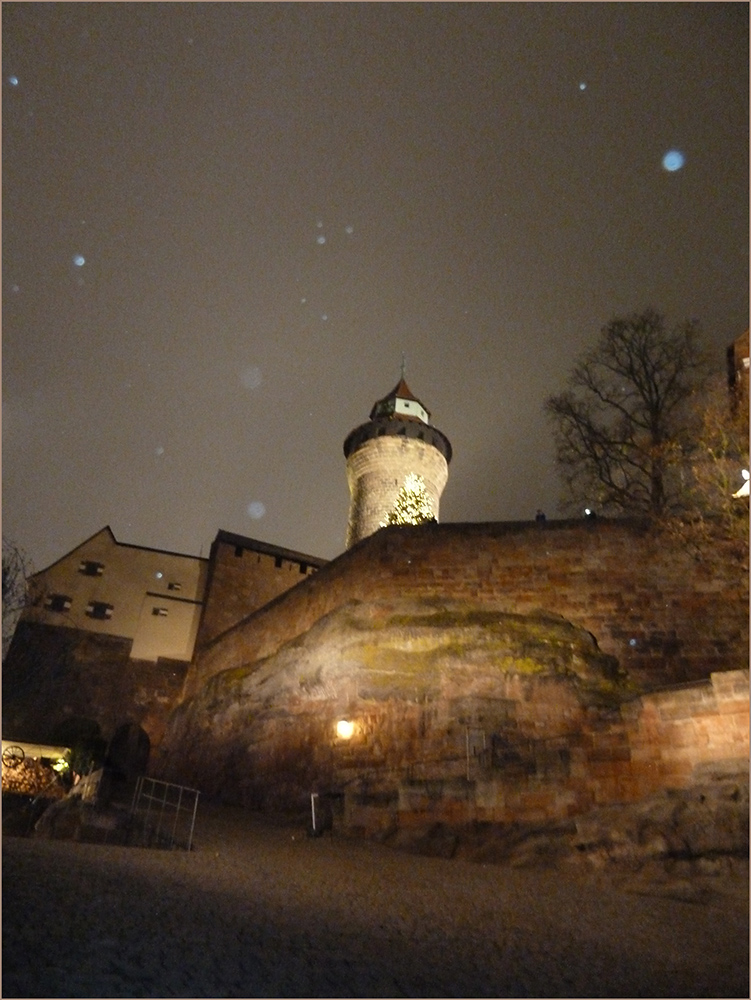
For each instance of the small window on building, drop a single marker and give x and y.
(58, 602)
(159, 612)
(174, 586)
(278, 562)
(303, 568)
(99, 610)
(89, 568)
(238, 551)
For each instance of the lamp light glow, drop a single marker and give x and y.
(345, 729)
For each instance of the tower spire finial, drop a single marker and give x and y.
(404, 363)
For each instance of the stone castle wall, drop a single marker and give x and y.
(662, 740)
(667, 616)
(242, 580)
(376, 473)
(53, 674)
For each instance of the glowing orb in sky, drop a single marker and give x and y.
(256, 510)
(251, 378)
(13, 81)
(321, 239)
(673, 160)
(79, 260)
(349, 230)
(582, 86)
(159, 450)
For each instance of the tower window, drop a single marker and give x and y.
(238, 551)
(174, 586)
(159, 612)
(278, 562)
(89, 568)
(303, 568)
(99, 610)
(58, 602)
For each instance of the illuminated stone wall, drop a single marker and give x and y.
(458, 715)
(244, 575)
(376, 472)
(667, 617)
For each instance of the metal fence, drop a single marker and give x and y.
(163, 814)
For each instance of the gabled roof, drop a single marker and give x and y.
(106, 530)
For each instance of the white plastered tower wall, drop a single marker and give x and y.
(397, 442)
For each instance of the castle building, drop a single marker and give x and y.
(149, 597)
(123, 634)
(397, 447)
(111, 628)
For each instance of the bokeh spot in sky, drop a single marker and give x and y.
(673, 160)
(13, 81)
(159, 450)
(256, 510)
(320, 239)
(79, 260)
(349, 230)
(251, 378)
(582, 86)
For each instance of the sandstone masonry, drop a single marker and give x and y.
(667, 617)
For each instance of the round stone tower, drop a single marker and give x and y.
(397, 444)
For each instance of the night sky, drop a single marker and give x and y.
(223, 223)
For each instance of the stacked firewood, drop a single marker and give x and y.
(32, 777)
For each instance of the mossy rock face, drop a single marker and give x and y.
(264, 729)
(414, 650)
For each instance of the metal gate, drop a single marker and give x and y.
(162, 814)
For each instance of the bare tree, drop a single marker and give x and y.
(714, 477)
(625, 423)
(16, 571)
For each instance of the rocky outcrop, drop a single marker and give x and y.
(700, 829)
(433, 690)
(470, 730)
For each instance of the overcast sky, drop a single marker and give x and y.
(223, 223)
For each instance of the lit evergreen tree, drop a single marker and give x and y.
(413, 505)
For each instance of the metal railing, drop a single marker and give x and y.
(163, 814)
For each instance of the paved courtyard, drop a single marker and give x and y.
(261, 910)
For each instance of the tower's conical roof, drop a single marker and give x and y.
(399, 414)
(388, 407)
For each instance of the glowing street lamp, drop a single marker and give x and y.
(345, 729)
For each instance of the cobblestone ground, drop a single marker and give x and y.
(260, 910)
